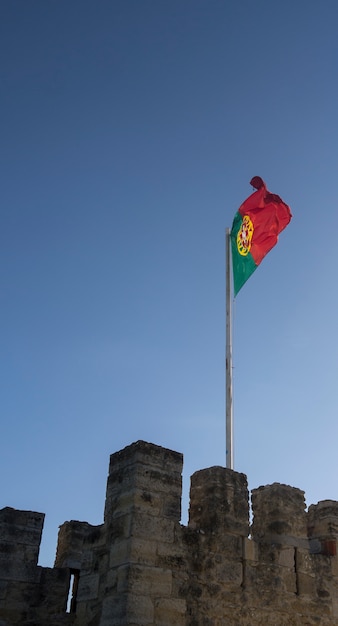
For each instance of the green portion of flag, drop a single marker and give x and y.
(242, 266)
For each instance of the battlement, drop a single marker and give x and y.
(142, 567)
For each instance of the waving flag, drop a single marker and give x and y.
(255, 230)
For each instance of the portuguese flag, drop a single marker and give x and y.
(255, 230)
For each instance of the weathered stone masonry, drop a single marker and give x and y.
(142, 567)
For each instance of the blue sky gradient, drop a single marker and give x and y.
(130, 130)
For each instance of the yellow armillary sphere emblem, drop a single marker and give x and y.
(244, 236)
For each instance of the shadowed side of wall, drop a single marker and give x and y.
(29, 595)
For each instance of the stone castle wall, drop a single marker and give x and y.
(142, 567)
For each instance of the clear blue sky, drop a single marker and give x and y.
(130, 130)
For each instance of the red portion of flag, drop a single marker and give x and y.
(269, 215)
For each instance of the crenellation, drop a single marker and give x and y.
(323, 521)
(278, 510)
(20, 533)
(219, 501)
(71, 543)
(28, 592)
(141, 567)
(151, 476)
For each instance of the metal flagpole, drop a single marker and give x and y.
(229, 456)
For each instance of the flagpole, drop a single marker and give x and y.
(229, 455)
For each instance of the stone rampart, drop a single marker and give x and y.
(141, 567)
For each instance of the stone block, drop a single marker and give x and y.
(21, 519)
(114, 609)
(135, 500)
(334, 566)
(110, 586)
(157, 528)
(127, 611)
(171, 556)
(53, 590)
(151, 581)
(219, 543)
(18, 536)
(304, 561)
(169, 612)
(306, 585)
(228, 572)
(143, 551)
(88, 587)
(18, 570)
(119, 553)
(18, 596)
(289, 579)
(171, 506)
(250, 550)
(158, 480)
(3, 589)
(335, 607)
(148, 454)
(119, 528)
(287, 558)
(133, 551)
(140, 610)
(87, 561)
